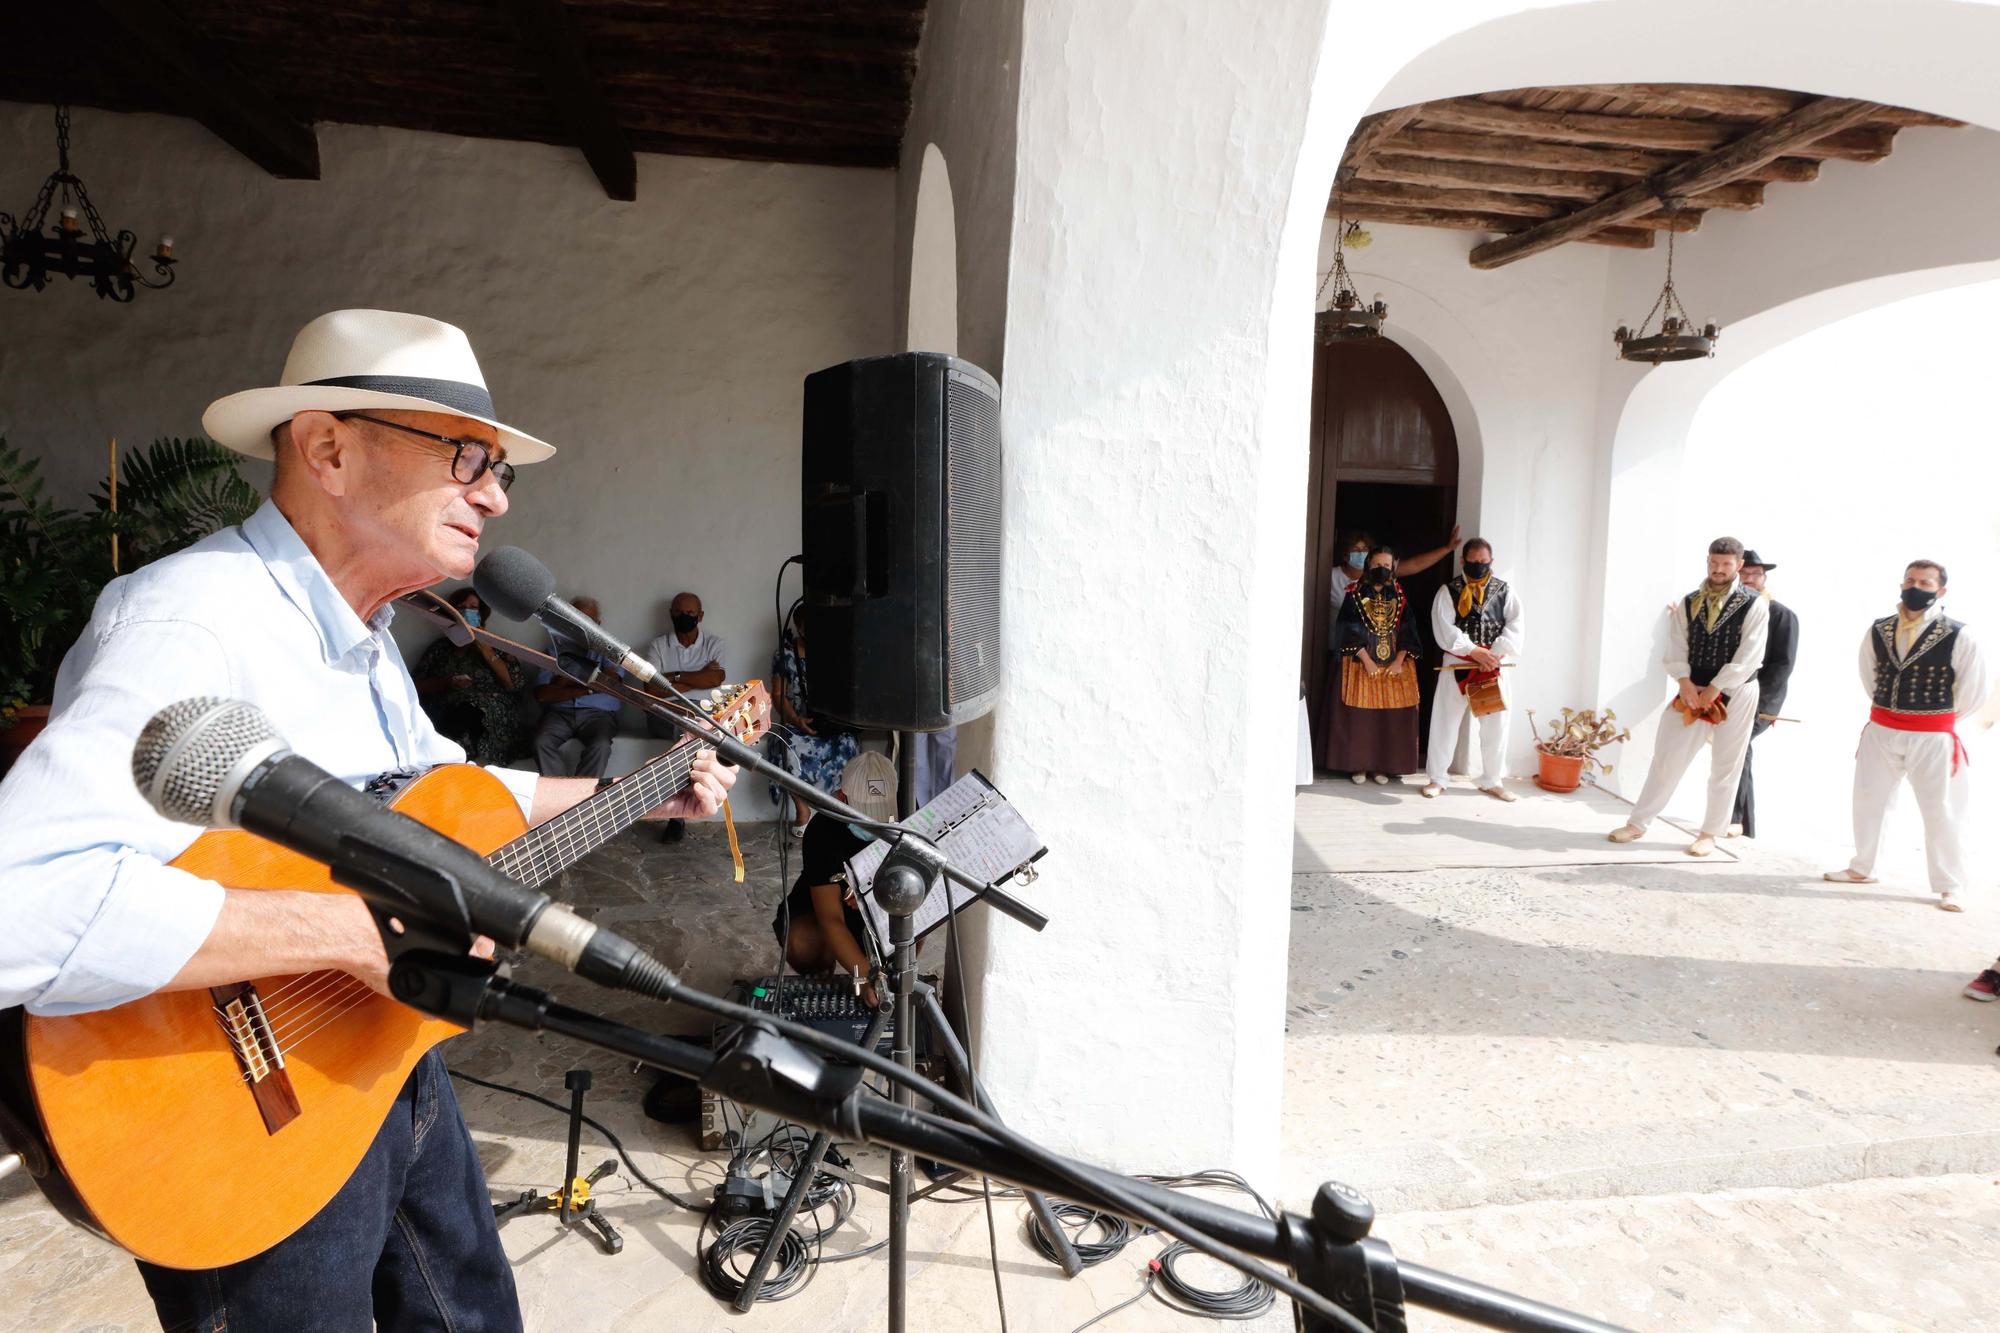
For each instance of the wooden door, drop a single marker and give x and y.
(1381, 429)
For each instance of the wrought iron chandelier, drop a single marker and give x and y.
(1676, 339)
(1347, 320)
(29, 256)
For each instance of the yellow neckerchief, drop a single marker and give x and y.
(1708, 600)
(1472, 594)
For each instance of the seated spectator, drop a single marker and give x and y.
(690, 660)
(688, 656)
(819, 923)
(575, 712)
(798, 743)
(470, 692)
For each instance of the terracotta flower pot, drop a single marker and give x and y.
(1560, 772)
(28, 722)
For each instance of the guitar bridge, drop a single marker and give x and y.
(258, 1054)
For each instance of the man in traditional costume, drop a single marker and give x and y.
(1476, 617)
(1715, 645)
(1781, 650)
(1922, 671)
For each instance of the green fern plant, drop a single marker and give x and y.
(54, 561)
(171, 495)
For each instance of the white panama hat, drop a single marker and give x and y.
(351, 360)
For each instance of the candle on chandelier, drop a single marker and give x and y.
(165, 249)
(69, 222)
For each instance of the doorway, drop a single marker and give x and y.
(1384, 461)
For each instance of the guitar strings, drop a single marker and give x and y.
(309, 1011)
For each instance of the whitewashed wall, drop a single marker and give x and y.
(1157, 339)
(658, 344)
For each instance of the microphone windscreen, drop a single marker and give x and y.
(188, 750)
(513, 583)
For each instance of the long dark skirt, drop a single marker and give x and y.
(1368, 740)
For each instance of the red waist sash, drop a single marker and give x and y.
(1944, 722)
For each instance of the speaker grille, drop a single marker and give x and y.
(972, 499)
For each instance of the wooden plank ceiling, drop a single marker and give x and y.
(767, 80)
(1599, 163)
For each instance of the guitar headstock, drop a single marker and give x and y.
(744, 710)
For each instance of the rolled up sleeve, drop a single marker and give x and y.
(95, 917)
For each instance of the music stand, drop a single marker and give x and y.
(908, 879)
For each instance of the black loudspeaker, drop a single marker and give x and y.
(901, 517)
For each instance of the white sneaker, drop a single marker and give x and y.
(1357, 778)
(1381, 779)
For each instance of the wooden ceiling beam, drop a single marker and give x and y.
(1405, 215)
(1674, 136)
(1367, 137)
(1448, 174)
(197, 80)
(576, 97)
(1505, 150)
(1753, 103)
(1368, 191)
(1534, 181)
(1815, 120)
(1658, 134)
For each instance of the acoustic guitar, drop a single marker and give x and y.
(198, 1128)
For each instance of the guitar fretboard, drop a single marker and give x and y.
(554, 845)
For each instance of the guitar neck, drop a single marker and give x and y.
(554, 845)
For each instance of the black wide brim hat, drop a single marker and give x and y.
(1752, 558)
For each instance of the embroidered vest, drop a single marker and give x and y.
(1710, 650)
(1923, 682)
(1484, 623)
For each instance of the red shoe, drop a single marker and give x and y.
(1985, 986)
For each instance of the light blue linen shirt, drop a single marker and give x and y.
(93, 914)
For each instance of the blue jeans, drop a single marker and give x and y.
(409, 1242)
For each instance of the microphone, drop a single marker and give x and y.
(520, 587)
(220, 763)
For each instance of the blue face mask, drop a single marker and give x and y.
(471, 614)
(1356, 559)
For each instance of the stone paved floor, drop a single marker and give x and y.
(1675, 1096)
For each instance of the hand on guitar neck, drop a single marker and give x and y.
(709, 782)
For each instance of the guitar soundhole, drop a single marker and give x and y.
(258, 1055)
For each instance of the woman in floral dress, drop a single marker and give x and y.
(800, 744)
(471, 693)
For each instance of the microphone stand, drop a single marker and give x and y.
(903, 883)
(1329, 1250)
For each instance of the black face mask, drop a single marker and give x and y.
(684, 622)
(1918, 599)
(1478, 569)
(1379, 576)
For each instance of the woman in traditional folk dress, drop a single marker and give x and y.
(1372, 726)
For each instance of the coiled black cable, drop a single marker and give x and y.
(1113, 1233)
(723, 1274)
(1248, 1299)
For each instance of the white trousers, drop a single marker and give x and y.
(1674, 748)
(1448, 708)
(1887, 756)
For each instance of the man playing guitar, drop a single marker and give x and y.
(389, 463)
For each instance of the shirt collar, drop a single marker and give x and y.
(299, 576)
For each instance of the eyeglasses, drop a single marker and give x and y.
(470, 459)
